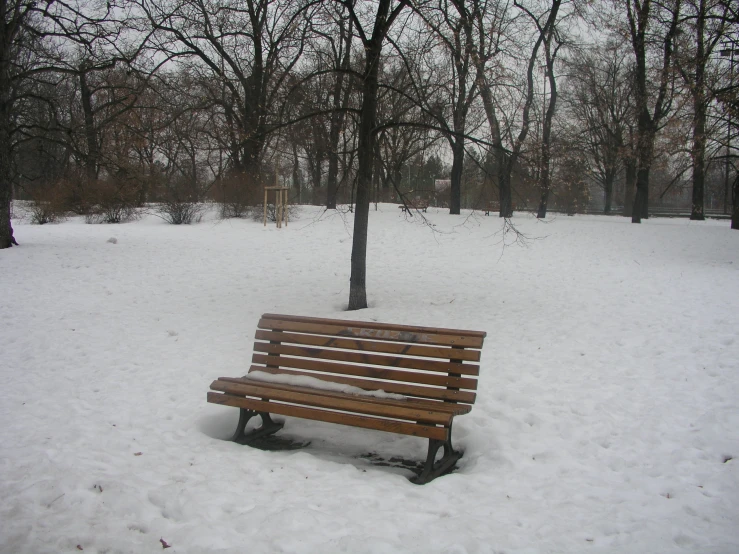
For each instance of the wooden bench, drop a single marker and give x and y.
(396, 378)
(492, 206)
(417, 204)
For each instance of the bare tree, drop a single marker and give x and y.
(599, 98)
(651, 27)
(372, 31)
(17, 18)
(552, 43)
(451, 102)
(703, 27)
(488, 26)
(247, 48)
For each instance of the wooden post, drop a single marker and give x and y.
(287, 212)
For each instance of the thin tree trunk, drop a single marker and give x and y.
(93, 156)
(544, 176)
(358, 278)
(699, 120)
(735, 212)
(296, 173)
(341, 100)
(366, 150)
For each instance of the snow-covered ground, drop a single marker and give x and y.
(606, 420)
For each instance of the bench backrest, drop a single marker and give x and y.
(421, 362)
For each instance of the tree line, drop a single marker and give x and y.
(522, 104)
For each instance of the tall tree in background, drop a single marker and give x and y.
(703, 25)
(456, 94)
(341, 53)
(599, 97)
(487, 26)
(552, 44)
(651, 26)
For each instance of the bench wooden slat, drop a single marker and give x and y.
(368, 359)
(346, 403)
(408, 402)
(434, 393)
(363, 330)
(376, 325)
(379, 373)
(366, 422)
(371, 346)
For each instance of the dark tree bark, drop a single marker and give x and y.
(630, 186)
(384, 19)
(455, 192)
(13, 15)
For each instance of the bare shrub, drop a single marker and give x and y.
(181, 196)
(256, 213)
(47, 205)
(237, 195)
(113, 202)
(180, 213)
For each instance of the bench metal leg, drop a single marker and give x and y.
(433, 469)
(268, 427)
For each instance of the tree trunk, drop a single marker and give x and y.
(341, 101)
(629, 186)
(358, 278)
(699, 163)
(296, 174)
(639, 17)
(735, 212)
(504, 186)
(455, 190)
(9, 28)
(6, 227)
(546, 134)
(641, 199)
(93, 155)
(698, 150)
(608, 189)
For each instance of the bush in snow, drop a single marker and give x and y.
(47, 205)
(237, 195)
(256, 213)
(113, 201)
(180, 212)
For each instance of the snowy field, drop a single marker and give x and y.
(607, 417)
